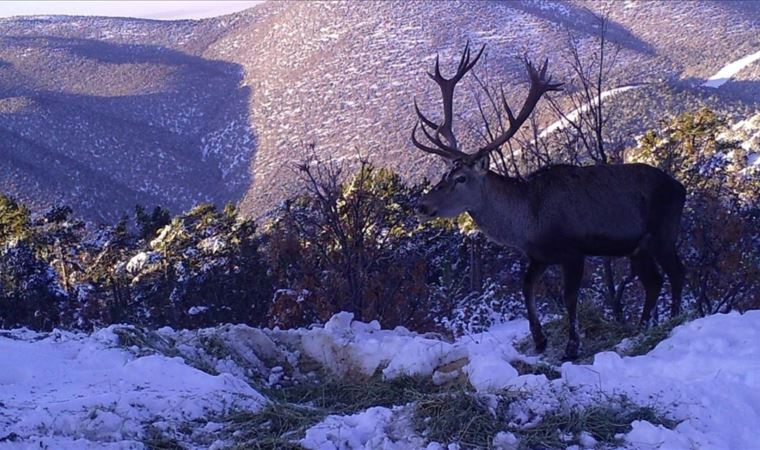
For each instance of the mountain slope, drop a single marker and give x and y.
(221, 109)
(347, 85)
(119, 118)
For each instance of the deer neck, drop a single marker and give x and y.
(503, 213)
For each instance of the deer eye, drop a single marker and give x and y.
(460, 179)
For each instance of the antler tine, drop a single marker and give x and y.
(436, 140)
(464, 59)
(469, 65)
(544, 66)
(447, 87)
(422, 117)
(432, 131)
(539, 85)
(437, 151)
(436, 75)
(425, 123)
(510, 115)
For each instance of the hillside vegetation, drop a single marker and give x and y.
(351, 242)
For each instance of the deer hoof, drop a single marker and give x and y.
(541, 344)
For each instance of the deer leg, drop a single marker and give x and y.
(643, 265)
(534, 271)
(673, 267)
(572, 274)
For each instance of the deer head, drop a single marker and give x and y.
(462, 187)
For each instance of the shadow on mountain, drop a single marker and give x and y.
(580, 20)
(143, 123)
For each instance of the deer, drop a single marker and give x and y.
(559, 214)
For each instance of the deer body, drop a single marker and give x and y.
(559, 214)
(567, 211)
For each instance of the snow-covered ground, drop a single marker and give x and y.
(68, 390)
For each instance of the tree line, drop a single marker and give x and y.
(351, 242)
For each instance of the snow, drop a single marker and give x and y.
(69, 390)
(157, 10)
(72, 390)
(142, 259)
(375, 428)
(345, 346)
(505, 440)
(722, 76)
(707, 374)
(195, 310)
(212, 245)
(573, 115)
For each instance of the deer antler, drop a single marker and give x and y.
(450, 148)
(539, 85)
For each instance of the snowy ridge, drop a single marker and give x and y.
(71, 390)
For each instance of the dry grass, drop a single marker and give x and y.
(296, 408)
(457, 416)
(604, 422)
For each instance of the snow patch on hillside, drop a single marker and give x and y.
(727, 72)
(572, 116)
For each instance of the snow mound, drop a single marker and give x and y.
(706, 375)
(348, 347)
(374, 428)
(70, 390)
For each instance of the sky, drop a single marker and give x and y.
(160, 10)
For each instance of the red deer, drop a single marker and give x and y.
(559, 214)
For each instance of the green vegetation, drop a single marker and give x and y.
(452, 414)
(649, 338)
(538, 368)
(471, 421)
(598, 333)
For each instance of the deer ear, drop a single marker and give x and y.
(481, 164)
